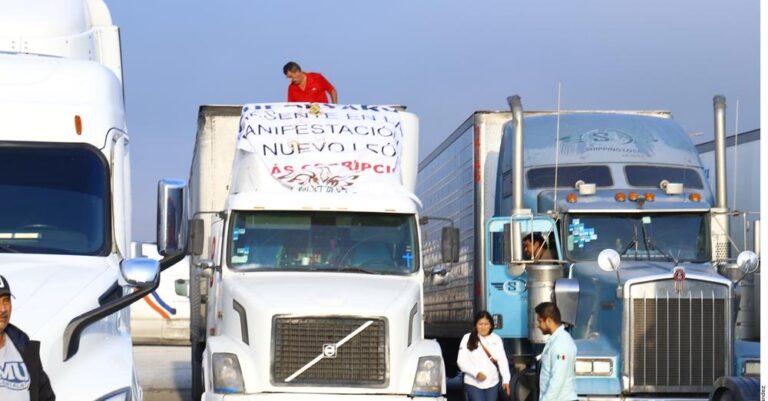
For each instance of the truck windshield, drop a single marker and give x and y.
(54, 200)
(672, 237)
(323, 241)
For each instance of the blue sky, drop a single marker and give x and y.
(443, 59)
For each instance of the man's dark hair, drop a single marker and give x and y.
(534, 237)
(291, 66)
(548, 310)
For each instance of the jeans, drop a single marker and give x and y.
(473, 393)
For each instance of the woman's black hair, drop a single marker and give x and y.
(474, 338)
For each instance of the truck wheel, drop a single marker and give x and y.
(197, 370)
(519, 391)
(725, 395)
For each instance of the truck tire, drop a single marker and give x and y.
(519, 391)
(725, 395)
(736, 389)
(197, 370)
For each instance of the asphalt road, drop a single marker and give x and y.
(164, 372)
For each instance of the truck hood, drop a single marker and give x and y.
(631, 270)
(323, 292)
(45, 286)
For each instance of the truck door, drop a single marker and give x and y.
(506, 286)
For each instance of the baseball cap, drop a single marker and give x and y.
(5, 288)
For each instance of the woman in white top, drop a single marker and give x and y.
(481, 358)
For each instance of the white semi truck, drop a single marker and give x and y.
(306, 279)
(65, 207)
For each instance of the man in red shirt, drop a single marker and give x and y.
(308, 87)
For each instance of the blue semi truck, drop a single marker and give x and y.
(639, 259)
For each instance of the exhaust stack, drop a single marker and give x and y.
(720, 224)
(516, 106)
(721, 201)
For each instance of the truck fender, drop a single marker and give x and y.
(739, 389)
(417, 350)
(248, 365)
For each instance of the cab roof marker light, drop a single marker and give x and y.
(571, 198)
(620, 197)
(695, 197)
(650, 197)
(633, 196)
(78, 125)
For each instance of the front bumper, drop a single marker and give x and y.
(314, 397)
(610, 398)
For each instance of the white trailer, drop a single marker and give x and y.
(65, 211)
(313, 292)
(162, 317)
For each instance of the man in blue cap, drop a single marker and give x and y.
(21, 373)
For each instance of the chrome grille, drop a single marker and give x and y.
(679, 342)
(360, 362)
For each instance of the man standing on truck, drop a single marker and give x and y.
(21, 373)
(308, 87)
(557, 381)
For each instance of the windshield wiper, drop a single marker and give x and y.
(635, 242)
(649, 245)
(353, 270)
(7, 249)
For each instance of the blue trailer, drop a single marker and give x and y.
(653, 318)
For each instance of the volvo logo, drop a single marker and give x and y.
(329, 350)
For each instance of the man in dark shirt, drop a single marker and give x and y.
(308, 87)
(21, 372)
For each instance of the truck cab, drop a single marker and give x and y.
(65, 212)
(646, 284)
(309, 270)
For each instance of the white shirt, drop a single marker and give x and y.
(14, 376)
(476, 361)
(557, 381)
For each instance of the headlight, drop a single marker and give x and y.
(124, 394)
(227, 376)
(429, 377)
(594, 367)
(752, 368)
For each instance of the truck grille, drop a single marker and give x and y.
(679, 343)
(360, 362)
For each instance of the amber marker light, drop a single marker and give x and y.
(633, 196)
(78, 125)
(620, 197)
(571, 198)
(650, 197)
(695, 197)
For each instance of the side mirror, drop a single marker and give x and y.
(439, 275)
(139, 272)
(609, 260)
(171, 217)
(748, 262)
(449, 244)
(196, 237)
